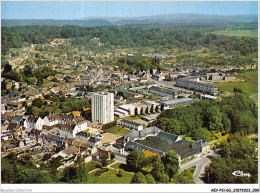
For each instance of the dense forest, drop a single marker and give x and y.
(23, 171)
(138, 63)
(234, 114)
(160, 37)
(239, 153)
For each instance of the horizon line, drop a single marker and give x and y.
(102, 17)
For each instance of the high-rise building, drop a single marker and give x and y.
(102, 107)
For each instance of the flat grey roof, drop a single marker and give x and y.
(209, 96)
(177, 101)
(183, 147)
(131, 122)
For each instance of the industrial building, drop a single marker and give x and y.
(193, 83)
(177, 102)
(157, 141)
(131, 124)
(163, 92)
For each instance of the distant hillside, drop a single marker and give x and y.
(182, 18)
(86, 23)
(161, 19)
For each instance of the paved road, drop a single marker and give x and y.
(200, 164)
(121, 159)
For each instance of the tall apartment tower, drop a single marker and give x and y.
(102, 107)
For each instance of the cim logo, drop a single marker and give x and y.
(240, 173)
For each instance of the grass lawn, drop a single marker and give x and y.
(248, 86)
(132, 117)
(238, 33)
(122, 167)
(118, 130)
(109, 177)
(116, 166)
(92, 165)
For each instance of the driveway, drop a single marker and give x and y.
(200, 164)
(121, 159)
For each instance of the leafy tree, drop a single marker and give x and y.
(80, 168)
(7, 175)
(149, 179)
(39, 81)
(7, 67)
(238, 147)
(13, 75)
(33, 176)
(202, 133)
(46, 156)
(159, 174)
(135, 160)
(215, 118)
(24, 104)
(171, 163)
(151, 160)
(170, 125)
(69, 174)
(32, 80)
(238, 153)
(233, 114)
(37, 103)
(185, 177)
(138, 178)
(27, 71)
(37, 55)
(103, 161)
(226, 123)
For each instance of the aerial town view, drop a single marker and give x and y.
(129, 92)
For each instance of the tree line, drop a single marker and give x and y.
(238, 153)
(28, 74)
(129, 37)
(162, 169)
(58, 104)
(16, 171)
(232, 114)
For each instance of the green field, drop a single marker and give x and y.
(117, 130)
(238, 33)
(92, 165)
(117, 166)
(248, 84)
(109, 177)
